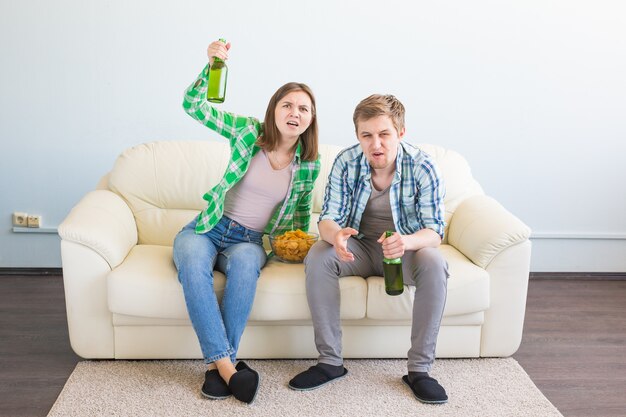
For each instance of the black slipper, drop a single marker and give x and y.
(426, 389)
(244, 384)
(214, 386)
(313, 378)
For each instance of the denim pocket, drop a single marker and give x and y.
(254, 237)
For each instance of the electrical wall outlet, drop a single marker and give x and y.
(20, 219)
(34, 221)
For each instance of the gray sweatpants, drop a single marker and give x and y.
(425, 269)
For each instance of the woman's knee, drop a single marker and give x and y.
(192, 254)
(245, 256)
(187, 243)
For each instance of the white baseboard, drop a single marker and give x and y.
(578, 252)
(578, 236)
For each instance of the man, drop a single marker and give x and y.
(381, 184)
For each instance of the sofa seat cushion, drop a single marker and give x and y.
(473, 319)
(146, 285)
(281, 294)
(468, 291)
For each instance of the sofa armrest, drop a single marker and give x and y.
(103, 222)
(481, 228)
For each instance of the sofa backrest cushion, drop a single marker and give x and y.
(460, 184)
(163, 182)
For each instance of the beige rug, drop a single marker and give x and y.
(476, 387)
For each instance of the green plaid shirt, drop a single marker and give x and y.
(242, 133)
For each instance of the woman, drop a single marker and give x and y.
(266, 188)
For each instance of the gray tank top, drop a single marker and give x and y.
(252, 201)
(377, 215)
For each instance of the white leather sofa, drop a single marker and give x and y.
(124, 299)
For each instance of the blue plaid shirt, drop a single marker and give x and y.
(416, 193)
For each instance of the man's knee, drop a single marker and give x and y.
(319, 252)
(429, 263)
(321, 256)
(430, 258)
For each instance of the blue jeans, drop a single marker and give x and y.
(238, 253)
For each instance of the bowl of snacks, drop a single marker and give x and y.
(292, 246)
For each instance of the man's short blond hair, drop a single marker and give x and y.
(380, 105)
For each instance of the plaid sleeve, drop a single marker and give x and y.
(195, 104)
(430, 198)
(302, 212)
(336, 204)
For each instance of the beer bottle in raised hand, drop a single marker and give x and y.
(218, 73)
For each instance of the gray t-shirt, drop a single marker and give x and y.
(377, 215)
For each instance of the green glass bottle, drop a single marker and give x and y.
(218, 73)
(392, 270)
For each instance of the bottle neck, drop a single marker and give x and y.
(389, 233)
(216, 59)
(392, 261)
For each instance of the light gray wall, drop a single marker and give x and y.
(531, 92)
